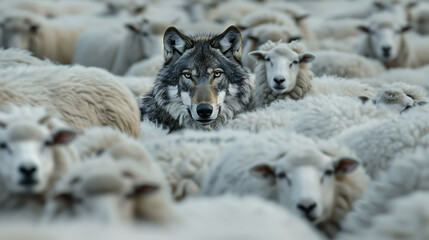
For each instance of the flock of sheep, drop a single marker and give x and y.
(325, 137)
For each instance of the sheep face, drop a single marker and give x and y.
(17, 32)
(282, 66)
(107, 191)
(27, 157)
(146, 34)
(305, 181)
(385, 41)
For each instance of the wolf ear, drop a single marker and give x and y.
(229, 43)
(175, 43)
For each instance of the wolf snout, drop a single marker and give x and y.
(204, 110)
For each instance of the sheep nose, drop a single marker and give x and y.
(279, 80)
(386, 50)
(204, 110)
(27, 170)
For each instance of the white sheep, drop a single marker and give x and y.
(334, 29)
(147, 67)
(83, 97)
(35, 153)
(347, 65)
(282, 71)
(13, 57)
(327, 116)
(318, 181)
(111, 190)
(46, 38)
(378, 142)
(402, 220)
(387, 42)
(419, 17)
(408, 174)
(269, 16)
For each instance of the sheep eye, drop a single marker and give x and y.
(329, 172)
(217, 74)
(3, 146)
(187, 75)
(295, 62)
(267, 60)
(281, 175)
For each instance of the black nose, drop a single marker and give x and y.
(307, 208)
(204, 110)
(279, 80)
(27, 170)
(386, 50)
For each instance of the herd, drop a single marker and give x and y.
(206, 119)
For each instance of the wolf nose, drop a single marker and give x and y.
(279, 80)
(204, 110)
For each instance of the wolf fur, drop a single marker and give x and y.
(198, 70)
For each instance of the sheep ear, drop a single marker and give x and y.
(132, 27)
(62, 136)
(229, 42)
(301, 17)
(263, 170)
(364, 99)
(143, 189)
(363, 29)
(34, 28)
(406, 28)
(379, 5)
(139, 9)
(411, 4)
(306, 58)
(345, 165)
(295, 38)
(175, 44)
(258, 55)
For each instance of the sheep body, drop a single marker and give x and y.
(15, 57)
(82, 96)
(147, 67)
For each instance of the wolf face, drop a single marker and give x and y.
(202, 83)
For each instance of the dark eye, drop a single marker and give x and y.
(187, 75)
(267, 60)
(3, 145)
(144, 34)
(329, 172)
(47, 143)
(281, 175)
(217, 74)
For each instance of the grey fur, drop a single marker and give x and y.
(164, 103)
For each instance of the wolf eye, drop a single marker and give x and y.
(187, 75)
(217, 74)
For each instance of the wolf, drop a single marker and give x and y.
(202, 83)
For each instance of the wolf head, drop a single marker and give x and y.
(202, 83)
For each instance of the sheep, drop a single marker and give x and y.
(386, 41)
(346, 65)
(15, 57)
(408, 174)
(138, 190)
(185, 164)
(326, 116)
(268, 16)
(137, 85)
(403, 220)
(231, 11)
(147, 67)
(53, 39)
(129, 44)
(52, 9)
(334, 29)
(317, 181)
(415, 76)
(256, 36)
(378, 142)
(35, 153)
(278, 61)
(82, 96)
(420, 18)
